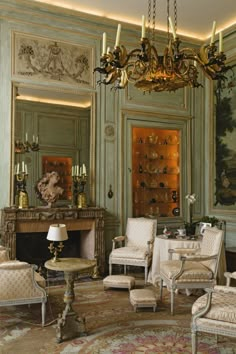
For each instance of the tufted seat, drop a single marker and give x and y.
(143, 298)
(19, 285)
(119, 281)
(215, 312)
(193, 270)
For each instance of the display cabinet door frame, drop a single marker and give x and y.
(150, 120)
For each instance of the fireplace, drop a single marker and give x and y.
(22, 227)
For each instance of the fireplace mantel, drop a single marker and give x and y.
(90, 221)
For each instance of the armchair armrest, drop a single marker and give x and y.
(117, 239)
(149, 247)
(198, 258)
(229, 276)
(182, 251)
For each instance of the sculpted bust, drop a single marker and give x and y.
(47, 188)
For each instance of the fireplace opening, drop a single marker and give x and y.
(33, 247)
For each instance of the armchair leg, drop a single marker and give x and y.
(146, 274)
(110, 269)
(43, 313)
(161, 289)
(194, 342)
(172, 294)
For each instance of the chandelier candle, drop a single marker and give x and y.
(118, 35)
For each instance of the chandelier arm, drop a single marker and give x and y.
(174, 69)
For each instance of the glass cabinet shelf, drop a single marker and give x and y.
(155, 172)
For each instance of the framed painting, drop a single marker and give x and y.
(224, 157)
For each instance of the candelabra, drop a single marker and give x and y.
(26, 146)
(79, 182)
(23, 199)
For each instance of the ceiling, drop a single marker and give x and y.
(195, 17)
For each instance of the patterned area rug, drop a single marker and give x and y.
(111, 323)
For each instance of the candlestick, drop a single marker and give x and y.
(213, 32)
(220, 42)
(104, 43)
(118, 35)
(83, 169)
(172, 27)
(143, 35)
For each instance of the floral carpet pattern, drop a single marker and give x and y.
(111, 323)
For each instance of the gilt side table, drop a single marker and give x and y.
(69, 324)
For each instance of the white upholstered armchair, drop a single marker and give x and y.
(197, 271)
(20, 284)
(215, 312)
(136, 247)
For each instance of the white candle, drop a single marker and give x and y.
(143, 35)
(108, 50)
(84, 169)
(26, 136)
(26, 169)
(72, 171)
(213, 32)
(172, 27)
(118, 35)
(104, 43)
(37, 139)
(33, 139)
(18, 168)
(23, 166)
(77, 170)
(80, 171)
(220, 42)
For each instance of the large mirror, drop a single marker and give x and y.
(53, 131)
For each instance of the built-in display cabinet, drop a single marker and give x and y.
(155, 172)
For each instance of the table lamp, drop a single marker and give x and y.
(56, 233)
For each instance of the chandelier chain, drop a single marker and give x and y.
(167, 20)
(149, 17)
(175, 14)
(153, 20)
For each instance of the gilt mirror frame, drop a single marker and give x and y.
(61, 91)
(222, 148)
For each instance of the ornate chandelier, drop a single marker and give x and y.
(150, 71)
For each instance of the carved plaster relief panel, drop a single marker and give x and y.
(44, 59)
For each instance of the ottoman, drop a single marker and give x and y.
(119, 281)
(143, 298)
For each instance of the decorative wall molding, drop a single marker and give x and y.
(109, 131)
(45, 59)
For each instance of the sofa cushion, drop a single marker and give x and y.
(222, 307)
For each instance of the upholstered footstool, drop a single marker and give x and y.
(119, 281)
(143, 298)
